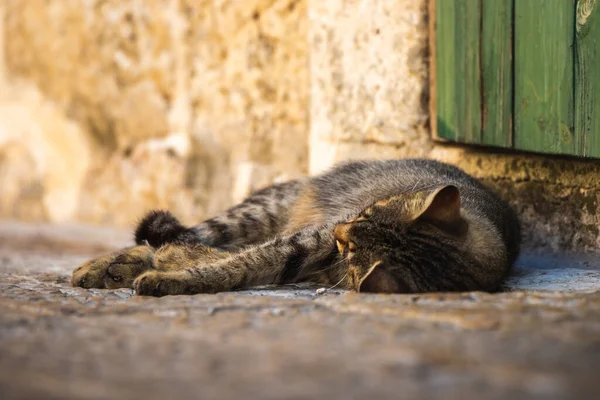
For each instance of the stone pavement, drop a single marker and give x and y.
(58, 342)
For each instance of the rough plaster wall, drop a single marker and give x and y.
(37, 143)
(187, 105)
(368, 69)
(249, 87)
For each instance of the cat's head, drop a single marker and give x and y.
(389, 247)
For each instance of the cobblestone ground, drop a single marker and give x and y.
(58, 342)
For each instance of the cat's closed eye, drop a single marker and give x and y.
(351, 247)
(348, 248)
(343, 241)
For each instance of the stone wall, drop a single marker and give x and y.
(109, 108)
(368, 80)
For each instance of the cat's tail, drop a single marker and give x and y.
(161, 227)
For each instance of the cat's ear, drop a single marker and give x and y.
(442, 208)
(378, 280)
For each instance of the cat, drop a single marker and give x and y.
(395, 226)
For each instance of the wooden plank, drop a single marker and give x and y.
(444, 65)
(433, 85)
(497, 74)
(457, 70)
(544, 95)
(587, 78)
(468, 67)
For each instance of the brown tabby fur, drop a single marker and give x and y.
(378, 226)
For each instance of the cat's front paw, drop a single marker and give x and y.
(147, 284)
(160, 283)
(91, 273)
(115, 270)
(153, 283)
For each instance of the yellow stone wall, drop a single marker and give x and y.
(110, 108)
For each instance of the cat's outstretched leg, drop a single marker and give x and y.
(281, 260)
(119, 269)
(260, 217)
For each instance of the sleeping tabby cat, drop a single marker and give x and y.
(400, 226)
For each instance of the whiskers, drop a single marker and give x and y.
(323, 290)
(330, 267)
(339, 263)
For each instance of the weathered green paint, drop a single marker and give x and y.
(519, 73)
(587, 78)
(468, 83)
(497, 74)
(446, 73)
(543, 65)
(458, 72)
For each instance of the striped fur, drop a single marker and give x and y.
(382, 226)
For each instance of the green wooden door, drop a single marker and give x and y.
(521, 74)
